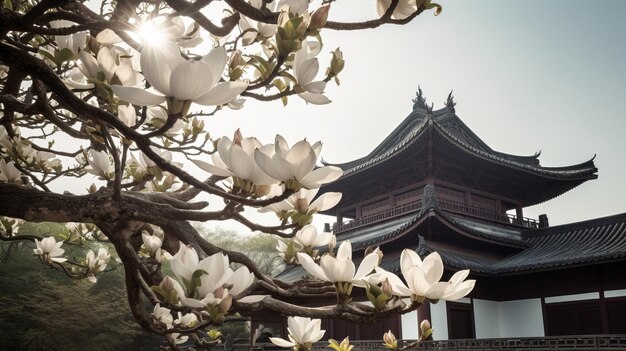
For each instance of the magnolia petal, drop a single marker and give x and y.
(321, 176)
(205, 166)
(459, 276)
(408, 259)
(437, 291)
(108, 37)
(240, 163)
(305, 70)
(397, 286)
(309, 265)
(241, 279)
(216, 60)
(367, 266)
(222, 93)
(158, 62)
(137, 96)
(302, 158)
(282, 342)
(127, 75)
(190, 80)
(345, 251)
(106, 60)
(325, 201)
(433, 267)
(344, 270)
(315, 87)
(276, 167)
(315, 99)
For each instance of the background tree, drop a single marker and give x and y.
(113, 89)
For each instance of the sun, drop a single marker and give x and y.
(151, 32)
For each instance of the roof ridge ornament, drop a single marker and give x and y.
(419, 101)
(450, 102)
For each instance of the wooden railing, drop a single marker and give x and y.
(447, 206)
(378, 217)
(481, 213)
(570, 342)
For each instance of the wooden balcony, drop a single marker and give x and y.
(448, 206)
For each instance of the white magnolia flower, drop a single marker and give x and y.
(100, 164)
(237, 160)
(49, 250)
(189, 320)
(302, 331)
(178, 80)
(74, 42)
(163, 315)
(308, 236)
(111, 64)
(96, 263)
(214, 273)
(9, 173)
(252, 29)
(295, 166)
(46, 160)
(403, 10)
(153, 244)
(423, 277)
(282, 248)
(340, 269)
(304, 70)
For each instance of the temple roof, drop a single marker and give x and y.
(444, 128)
(450, 126)
(595, 241)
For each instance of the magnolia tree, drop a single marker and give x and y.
(115, 92)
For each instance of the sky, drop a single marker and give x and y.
(527, 76)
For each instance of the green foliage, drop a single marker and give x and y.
(261, 248)
(43, 309)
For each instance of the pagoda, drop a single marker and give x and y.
(434, 185)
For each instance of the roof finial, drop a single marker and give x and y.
(420, 100)
(429, 109)
(450, 102)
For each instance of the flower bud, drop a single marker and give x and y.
(301, 205)
(332, 244)
(237, 137)
(319, 17)
(386, 287)
(390, 340)
(225, 304)
(425, 329)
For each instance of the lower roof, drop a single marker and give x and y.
(596, 241)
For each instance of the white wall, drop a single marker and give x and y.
(487, 319)
(410, 326)
(439, 320)
(521, 318)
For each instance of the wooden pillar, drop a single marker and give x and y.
(423, 312)
(519, 212)
(468, 198)
(358, 211)
(392, 200)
